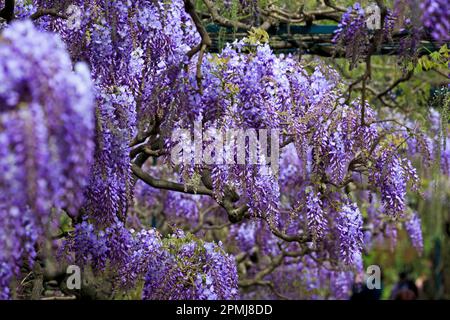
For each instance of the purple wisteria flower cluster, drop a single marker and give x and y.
(177, 267)
(411, 21)
(330, 149)
(414, 230)
(46, 134)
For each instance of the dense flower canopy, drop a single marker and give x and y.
(88, 109)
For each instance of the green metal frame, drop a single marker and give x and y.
(285, 32)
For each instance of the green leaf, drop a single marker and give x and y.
(435, 56)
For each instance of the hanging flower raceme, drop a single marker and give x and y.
(350, 233)
(414, 230)
(436, 17)
(46, 138)
(352, 33)
(315, 215)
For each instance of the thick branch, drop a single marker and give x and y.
(168, 185)
(47, 12)
(258, 280)
(406, 77)
(222, 20)
(331, 5)
(206, 40)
